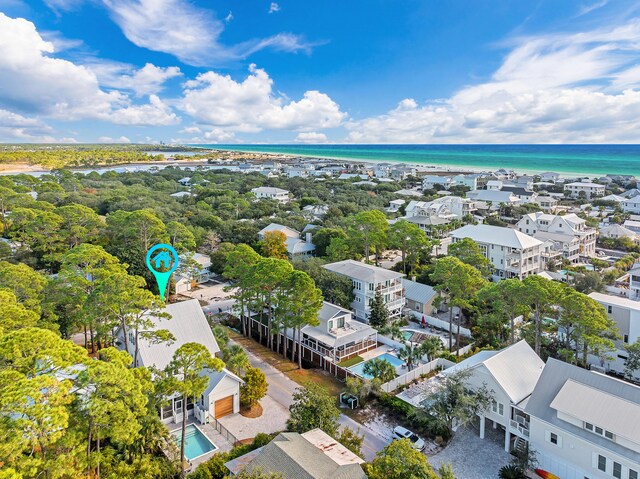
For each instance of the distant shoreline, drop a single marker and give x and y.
(568, 160)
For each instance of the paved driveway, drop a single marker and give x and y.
(472, 457)
(274, 419)
(281, 390)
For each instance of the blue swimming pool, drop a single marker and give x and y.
(390, 358)
(196, 443)
(407, 335)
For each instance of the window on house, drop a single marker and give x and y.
(609, 309)
(497, 407)
(626, 338)
(617, 470)
(330, 324)
(633, 474)
(602, 463)
(553, 438)
(608, 435)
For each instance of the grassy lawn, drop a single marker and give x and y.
(290, 369)
(350, 362)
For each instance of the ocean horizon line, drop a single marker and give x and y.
(567, 159)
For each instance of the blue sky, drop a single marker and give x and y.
(374, 71)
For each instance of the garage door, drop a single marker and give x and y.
(223, 407)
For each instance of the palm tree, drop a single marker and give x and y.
(236, 359)
(412, 352)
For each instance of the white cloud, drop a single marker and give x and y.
(147, 80)
(274, 7)
(592, 6)
(191, 130)
(229, 17)
(108, 139)
(33, 81)
(311, 137)
(154, 113)
(568, 88)
(188, 32)
(251, 105)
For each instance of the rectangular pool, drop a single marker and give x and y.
(390, 358)
(196, 443)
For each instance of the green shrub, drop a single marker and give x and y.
(396, 405)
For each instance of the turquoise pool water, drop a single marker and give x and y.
(196, 443)
(407, 335)
(358, 368)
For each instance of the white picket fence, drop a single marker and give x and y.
(416, 373)
(438, 323)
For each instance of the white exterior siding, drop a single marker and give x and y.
(573, 457)
(591, 190)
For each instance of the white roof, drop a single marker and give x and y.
(615, 198)
(288, 232)
(585, 184)
(495, 196)
(362, 271)
(517, 369)
(633, 224)
(598, 407)
(497, 235)
(188, 324)
(269, 190)
(419, 292)
(408, 193)
(615, 300)
(618, 230)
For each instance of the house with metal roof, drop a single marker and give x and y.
(584, 424)
(626, 314)
(510, 374)
(296, 247)
(193, 269)
(513, 254)
(419, 297)
(271, 193)
(584, 189)
(367, 280)
(311, 455)
(565, 229)
(187, 324)
(337, 336)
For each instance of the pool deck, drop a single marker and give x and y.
(222, 445)
(379, 351)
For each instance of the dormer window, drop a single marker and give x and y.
(598, 430)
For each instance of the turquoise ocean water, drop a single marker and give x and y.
(571, 159)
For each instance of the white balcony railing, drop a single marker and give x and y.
(521, 428)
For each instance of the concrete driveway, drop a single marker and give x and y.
(281, 390)
(274, 419)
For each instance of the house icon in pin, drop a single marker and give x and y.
(162, 260)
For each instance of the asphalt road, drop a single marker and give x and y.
(281, 390)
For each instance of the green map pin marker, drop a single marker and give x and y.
(162, 260)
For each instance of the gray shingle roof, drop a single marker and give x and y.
(296, 458)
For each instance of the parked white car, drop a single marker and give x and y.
(400, 432)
